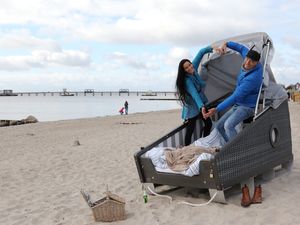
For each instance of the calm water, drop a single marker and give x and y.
(51, 108)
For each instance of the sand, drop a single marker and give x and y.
(42, 171)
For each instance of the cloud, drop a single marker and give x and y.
(40, 59)
(285, 67)
(137, 63)
(145, 22)
(48, 81)
(136, 21)
(286, 75)
(175, 54)
(293, 41)
(65, 57)
(16, 63)
(175, 22)
(22, 39)
(35, 36)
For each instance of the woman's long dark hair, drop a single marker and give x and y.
(180, 84)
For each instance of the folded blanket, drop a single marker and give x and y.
(180, 159)
(187, 163)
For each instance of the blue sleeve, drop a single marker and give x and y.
(229, 101)
(238, 47)
(196, 61)
(240, 92)
(191, 89)
(249, 84)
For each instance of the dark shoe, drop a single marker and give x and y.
(246, 201)
(257, 198)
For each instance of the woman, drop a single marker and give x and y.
(189, 87)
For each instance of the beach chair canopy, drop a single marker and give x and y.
(220, 72)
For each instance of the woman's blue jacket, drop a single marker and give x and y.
(195, 86)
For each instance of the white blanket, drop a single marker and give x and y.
(158, 159)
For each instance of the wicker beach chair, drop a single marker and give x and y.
(262, 145)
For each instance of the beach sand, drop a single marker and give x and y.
(42, 171)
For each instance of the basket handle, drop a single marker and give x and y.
(87, 198)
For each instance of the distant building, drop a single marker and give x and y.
(293, 87)
(7, 93)
(124, 91)
(66, 93)
(89, 91)
(149, 93)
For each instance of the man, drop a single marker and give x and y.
(126, 107)
(245, 95)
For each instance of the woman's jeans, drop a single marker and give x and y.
(205, 131)
(226, 124)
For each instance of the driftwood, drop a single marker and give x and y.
(29, 119)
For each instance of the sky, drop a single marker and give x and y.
(108, 45)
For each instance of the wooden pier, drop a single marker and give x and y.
(96, 93)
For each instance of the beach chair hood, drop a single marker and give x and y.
(220, 72)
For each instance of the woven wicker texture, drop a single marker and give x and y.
(109, 210)
(251, 152)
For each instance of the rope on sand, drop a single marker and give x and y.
(201, 204)
(164, 196)
(182, 202)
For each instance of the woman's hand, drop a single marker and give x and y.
(223, 47)
(217, 49)
(203, 110)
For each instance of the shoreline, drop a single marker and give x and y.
(42, 172)
(94, 117)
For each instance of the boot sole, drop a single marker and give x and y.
(246, 204)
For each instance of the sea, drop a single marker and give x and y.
(46, 107)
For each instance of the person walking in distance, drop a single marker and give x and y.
(126, 107)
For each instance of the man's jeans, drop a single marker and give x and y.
(226, 124)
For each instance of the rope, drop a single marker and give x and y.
(182, 202)
(154, 193)
(202, 204)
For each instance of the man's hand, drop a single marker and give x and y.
(210, 113)
(218, 50)
(224, 47)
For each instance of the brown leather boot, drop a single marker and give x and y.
(257, 198)
(246, 201)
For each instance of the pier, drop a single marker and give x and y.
(97, 93)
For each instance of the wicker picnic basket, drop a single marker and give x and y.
(108, 209)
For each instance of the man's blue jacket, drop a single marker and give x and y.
(248, 83)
